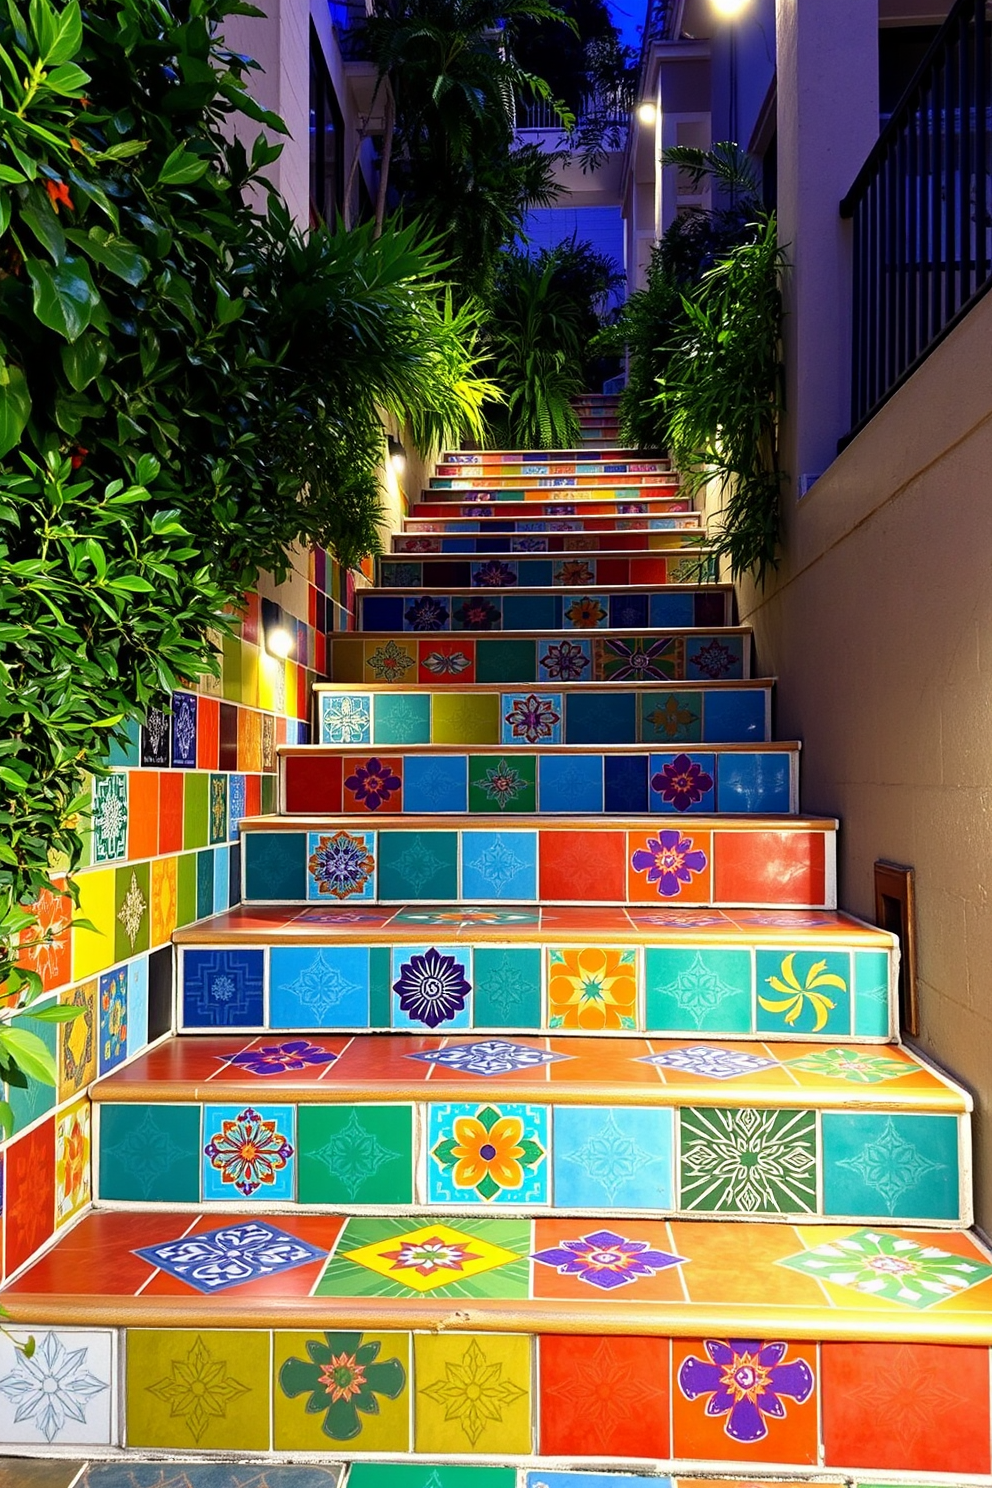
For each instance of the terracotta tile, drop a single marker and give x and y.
(29, 1199)
(170, 819)
(604, 1397)
(744, 1400)
(652, 1276)
(313, 784)
(581, 865)
(208, 734)
(769, 867)
(372, 784)
(253, 795)
(906, 1407)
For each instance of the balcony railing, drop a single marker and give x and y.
(922, 211)
(541, 115)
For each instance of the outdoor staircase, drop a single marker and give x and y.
(537, 1119)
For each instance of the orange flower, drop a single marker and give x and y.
(586, 613)
(592, 989)
(495, 1153)
(58, 194)
(75, 1161)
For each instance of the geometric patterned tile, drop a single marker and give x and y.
(612, 1157)
(222, 988)
(487, 1154)
(198, 1389)
(249, 1153)
(379, 1257)
(892, 1266)
(748, 1161)
(212, 1261)
(473, 1394)
(714, 1064)
(901, 1166)
(489, 1057)
(62, 1395)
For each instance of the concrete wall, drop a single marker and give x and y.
(879, 629)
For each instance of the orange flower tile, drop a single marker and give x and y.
(592, 988)
(604, 1397)
(46, 948)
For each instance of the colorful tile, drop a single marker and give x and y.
(891, 1266)
(698, 988)
(427, 1475)
(502, 784)
(62, 1395)
(803, 992)
(374, 784)
(149, 1152)
(671, 718)
(685, 783)
(218, 809)
(499, 866)
(473, 1394)
(397, 1258)
(223, 988)
(355, 1154)
(417, 865)
(571, 783)
(604, 1397)
(112, 1045)
(747, 1160)
(613, 1157)
(898, 1166)
(487, 1153)
(340, 865)
(592, 988)
(401, 718)
(531, 718)
(29, 1193)
(347, 1388)
(431, 987)
(156, 740)
(72, 1161)
(198, 1390)
(507, 986)
(132, 898)
(77, 1041)
(345, 718)
(709, 1062)
(738, 1399)
(561, 660)
(318, 987)
(213, 1261)
(249, 1153)
(676, 863)
(184, 730)
(109, 822)
(488, 1057)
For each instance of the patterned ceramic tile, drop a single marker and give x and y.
(604, 1397)
(674, 864)
(489, 1057)
(854, 1066)
(431, 987)
(347, 1388)
(748, 1161)
(201, 1390)
(77, 1041)
(355, 1154)
(156, 740)
(132, 1474)
(212, 1261)
(744, 1399)
(606, 1260)
(487, 1154)
(218, 809)
(891, 1266)
(112, 1046)
(150, 1151)
(132, 896)
(531, 718)
(397, 1258)
(110, 816)
(592, 989)
(507, 986)
(184, 730)
(417, 866)
(613, 1157)
(499, 866)
(63, 1395)
(72, 1161)
(700, 989)
(222, 988)
(803, 992)
(249, 1153)
(709, 1062)
(497, 783)
(426, 1474)
(899, 1166)
(318, 987)
(473, 1394)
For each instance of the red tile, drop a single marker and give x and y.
(648, 570)
(693, 851)
(170, 812)
(304, 681)
(360, 774)
(29, 1176)
(604, 1397)
(143, 814)
(228, 736)
(583, 866)
(208, 734)
(51, 959)
(909, 1407)
(253, 795)
(442, 659)
(313, 782)
(769, 868)
(613, 571)
(320, 653)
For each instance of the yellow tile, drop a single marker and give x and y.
(352, 1388)
(270, 677)
(465, 718)
(72, 1161)
(93, 950)
(249, 674)
(164, 899)
(77, 1042)
(473, 1394)
(204, 1391)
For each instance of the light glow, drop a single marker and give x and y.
(647, 113)
(729, 8)
(280, 643)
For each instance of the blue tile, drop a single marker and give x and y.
(734, 716)
(382, 612)
(626, 781)
(714, 657)
(318, 987)
(271, 1130)
(672, 609)
(235, 804)
(896, 1167)
(611, 1157)
(137, 1004)
(457, 545)
(564, 659)
(222, 988)
(682, 782)
(401, 718)
(570, 782)
(499, 865)
(346, 718)
(431, 987)
(601, 717)
(530, 717)
(630, 612)
(753, 783)
(871, 994)
(531, 612)
(127, 752)
(222, 879)
(425, 612)
(435, 783)
(184, 731)
(534, 1162)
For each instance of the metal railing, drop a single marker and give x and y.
(541, 114)
(922, 211)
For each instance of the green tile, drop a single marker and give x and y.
(871, 994)
(132, 914)
(747, 1161)
(900, 1167)
(671, 717)
(32, 1099)
(507, 987)
(231, 673)
(426, 1475)
(505, 661)
(418, 865)
(401, 719)
(803, 991)
(149, 1153)
(695, 990)
(196, 810)
(186, 889)
(380, 989)
(204, 883)
(498, 1265)
(502, 783)
(275, 865)
(355, 1154)
(465, 718)
(269, 795)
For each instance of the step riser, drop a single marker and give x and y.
(404, 658)
(592, 864)
(679, 569)
(617, 483)
(681, 530)
(532, 572)
(264, 1396)
(747, 783)
(617, 715)
(484, 609)
(509, 504)
(640, 469)
(678, 991)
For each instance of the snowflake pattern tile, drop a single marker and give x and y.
(354, 1154)
(61, 1393)
(610, 1158)
(714, 1064)
(215, 1260)
(110, 816)
(498, 865)
(887, 1264)
(697, 990)
(184, 730)
(345, 719)
(489, 1057)
(890, 1165)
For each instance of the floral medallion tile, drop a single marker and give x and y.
(427, 612)
(341, 865)
(745, 1399)
(206, 1390)
(63, 1395)
(431, 987)
(293, 1055)
(345, 718)
(222, 988)
(685, 783)
(112, 1045)
(564, 661)
(397, 1258)
(852, 1065)
(612, 1157)
(355, 1154)
(473, 1394)
(710, 1062)
(487, 1154)
(748, 1161)
(889, 1265)
(493, 573)
(77, 1041)
(606, 1259)
(715, 657)
(318, 987)
(604, 1397)
(249, 1153)
(476, 612)
(531, 718)
(804, 992)
(213, 1261)
(489, 1057)
(589, 612)
(897, 1167)
(184, 730)
(351, 1388)
(156, 740)
(218, 809)
(110, 816)
(496, 783)
(592, 988)
(374, 784)
(675, 864)
(673, 718)
(165, 899)
(72, 1161)
(132, 901)
(388, 661)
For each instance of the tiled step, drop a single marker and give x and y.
(743, 779)
(576, 464)
(677, 973)
(674, 530)
(42, 1473)
(548, 607)
(568, 713)
(489, 1340)
(508, 569)
(490, 504)
(540, 487)
(588, 1125)
(776, 862)
(680, 567)
(403, 657)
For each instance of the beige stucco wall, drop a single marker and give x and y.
(879, 629)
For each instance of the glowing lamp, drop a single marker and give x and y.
(279, 642)
(646, 113)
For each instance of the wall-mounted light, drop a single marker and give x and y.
(397, 455)
(279, 642)
(729, 9)
(647, 114)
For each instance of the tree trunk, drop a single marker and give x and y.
(387, 155)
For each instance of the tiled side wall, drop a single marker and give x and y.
(161, 851)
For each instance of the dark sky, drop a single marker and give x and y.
(628, 16)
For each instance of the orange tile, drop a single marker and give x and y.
(592, 988)
(723, 1272)
(744, 1400)
(46, 948)
(363, 778)
(663, 1284)
(604, 1397)
(143, 812)
(207, 734)
(170, 812)
(249, 740)
(674, 853)
(769, 867)
(582, 865)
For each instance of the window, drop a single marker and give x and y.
(326, 140)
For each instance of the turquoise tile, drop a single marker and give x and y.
(432, 988)
(900, 1167)
(137, 1004)
(345, 718)
(32, 1099)
(451, 1179)
(871, 994)
(380, 989)
(149, 1153)
(507, 987)
(275, 866)
(418, 866)
(205, 883)
(318, 987)
(222, 879)
(270, 1131)
(127, 752)
(812, 995)
(426, 1475)
(499, 865)
(696, 989)
(401, 719)
(609, 1157)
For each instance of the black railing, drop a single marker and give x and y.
(922, 211)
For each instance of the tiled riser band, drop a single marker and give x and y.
(360, 1473)
(484, 610)
(490, 465)
(670, 530)
(490, 503)
(662, 991)
(501, 1397)
(581, 715)
(526, 486)
(738, 1162)
(747, 783)
(458, 573)
(405, 658)
(630, 536)
(789, 867)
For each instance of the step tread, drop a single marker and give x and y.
(505, 825)
(332, 751)
(682, 685)
(727, 1279)
(389, 1067)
